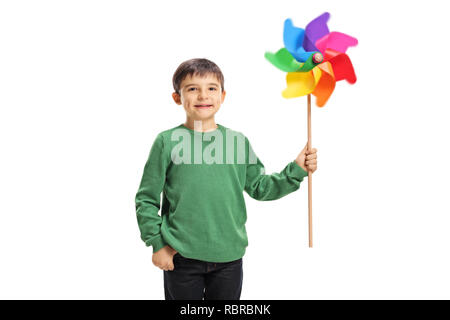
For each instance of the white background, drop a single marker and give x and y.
(85, 87)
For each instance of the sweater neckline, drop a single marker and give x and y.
(202, 132)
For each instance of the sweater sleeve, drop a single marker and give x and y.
(148, 197)
(265, 187)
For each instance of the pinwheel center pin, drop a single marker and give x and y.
(317, 57)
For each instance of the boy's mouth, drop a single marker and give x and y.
(203, 106)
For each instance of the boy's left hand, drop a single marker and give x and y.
(307, 159)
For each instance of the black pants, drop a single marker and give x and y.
(196, 280)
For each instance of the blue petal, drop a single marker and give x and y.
(293, 41)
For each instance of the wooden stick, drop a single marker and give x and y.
(309, 176)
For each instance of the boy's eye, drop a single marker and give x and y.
(196, 88)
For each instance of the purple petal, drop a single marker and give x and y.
(308, 45)
(316, 29)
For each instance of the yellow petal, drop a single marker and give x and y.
(301, 83)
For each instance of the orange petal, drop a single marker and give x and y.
(326, 84)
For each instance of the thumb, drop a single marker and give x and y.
(306, 147)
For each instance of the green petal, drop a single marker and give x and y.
(308, 65)
(283, 60)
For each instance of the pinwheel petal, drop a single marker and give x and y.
(283, 60)
(315, 30)
(301, 83)
(337, 41)
(341, 64)
(293, 41)
(308, 45)
(302, 55)
(326, 84)
(292, 36)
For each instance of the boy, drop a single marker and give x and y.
(200, 238)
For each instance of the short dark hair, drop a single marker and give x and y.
(197, 66)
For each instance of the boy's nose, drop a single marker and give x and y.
(202, 94)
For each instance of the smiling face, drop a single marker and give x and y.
(201, 97)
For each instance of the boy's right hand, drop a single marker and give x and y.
(163, 258)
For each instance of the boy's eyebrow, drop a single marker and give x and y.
(193, 84)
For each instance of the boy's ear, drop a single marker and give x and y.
(223, 95)
(176, 97)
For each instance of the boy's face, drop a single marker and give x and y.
(201, 96)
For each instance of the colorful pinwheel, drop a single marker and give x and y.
(315, 59)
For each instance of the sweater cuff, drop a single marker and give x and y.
(157, 243)
(298, 171)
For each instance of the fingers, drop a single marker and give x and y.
(311, 165)
(167, 268)
(310, 158)
(311, 154)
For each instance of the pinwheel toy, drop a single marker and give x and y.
(314, 59)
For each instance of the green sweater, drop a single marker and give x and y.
(202, 176)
